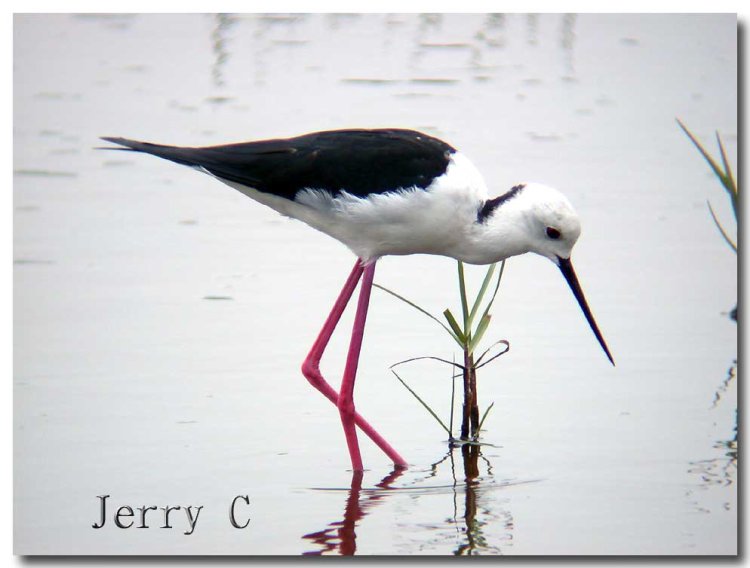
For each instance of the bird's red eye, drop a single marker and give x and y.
(553, 233)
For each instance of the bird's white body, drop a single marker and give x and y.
(436, 220)
(440, 219)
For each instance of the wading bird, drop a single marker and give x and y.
(387, 192)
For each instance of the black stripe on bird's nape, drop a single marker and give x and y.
(491, 204)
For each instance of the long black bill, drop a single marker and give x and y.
(566, 267)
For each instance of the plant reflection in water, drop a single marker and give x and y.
(719, 471)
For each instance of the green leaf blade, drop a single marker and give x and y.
(481, 422)
(497, 287)
(711, 162)
(422, 402)
(464, 301)
(460, 337)
(724, 234)
(420, 309)
(481, 329)
(482, 291)
(731, 185)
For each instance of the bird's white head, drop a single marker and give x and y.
(537, 218)
(552, 225)
(530, 217)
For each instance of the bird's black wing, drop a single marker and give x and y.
(360, 162)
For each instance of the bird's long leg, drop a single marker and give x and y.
(311, 364)
(346, 394)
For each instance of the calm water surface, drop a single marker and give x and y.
(160, 318)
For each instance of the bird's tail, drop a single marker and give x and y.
(172, 153)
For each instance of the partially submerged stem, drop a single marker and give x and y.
(468, 396)
(470, 424)
(474, 413)
(453, 402)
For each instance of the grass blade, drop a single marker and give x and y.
(478, 363)
(497, 287)
(486, 412)
(430, 357)
(482, 291)
(721, 229)
(732, 187)
(415, 395)
(481, 328)
(464, 301)
(711, 162)
(460, 337)
(420, 309)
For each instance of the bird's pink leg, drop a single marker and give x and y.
(346, 394)
(311, 364)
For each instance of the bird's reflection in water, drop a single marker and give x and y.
(466, 524)
(340, 535)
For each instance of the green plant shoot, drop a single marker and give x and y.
(468, 337)
(724, 173)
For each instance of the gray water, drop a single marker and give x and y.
(160, 318)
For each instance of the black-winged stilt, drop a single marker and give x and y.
(387, 192)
